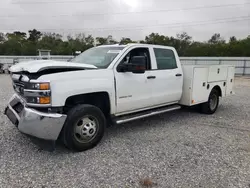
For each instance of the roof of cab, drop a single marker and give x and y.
(111, 45)
(135, 44)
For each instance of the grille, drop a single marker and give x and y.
(19, 83)
(19, 87)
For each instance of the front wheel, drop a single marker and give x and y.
(84, 127)
(211, 105)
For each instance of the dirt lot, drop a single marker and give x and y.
(178, 149)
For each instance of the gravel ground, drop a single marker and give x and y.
(178, 149)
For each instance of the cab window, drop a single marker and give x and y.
(138, 52)
(165, 59)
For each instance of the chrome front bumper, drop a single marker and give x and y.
(42, 125)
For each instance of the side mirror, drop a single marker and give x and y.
(136, 65)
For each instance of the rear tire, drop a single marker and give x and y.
(84, 127)
(211, 105)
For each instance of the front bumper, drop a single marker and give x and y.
(42, 125)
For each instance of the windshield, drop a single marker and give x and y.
(101, 57)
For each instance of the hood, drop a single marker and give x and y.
(41, 65)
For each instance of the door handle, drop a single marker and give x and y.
(178, 75)
(151, 77)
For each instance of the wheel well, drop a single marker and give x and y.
(99, 99)
(217, 88)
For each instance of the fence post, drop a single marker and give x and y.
(195, 61)
(244, 68)
(220, 62)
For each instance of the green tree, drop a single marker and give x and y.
(101, 40)
(2, 37)
(17, 43)
(232, 39)
(216, 39)
(184, 42)
(17, 35)
(34, 35)
(105, 40)
(155, 38)
(126, 41)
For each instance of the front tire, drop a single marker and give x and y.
(211, 105)
(84, 127)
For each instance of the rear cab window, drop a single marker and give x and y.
(165, 59)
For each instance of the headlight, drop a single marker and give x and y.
(37, 93)
(37, 86)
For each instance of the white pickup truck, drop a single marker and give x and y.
(109, 84)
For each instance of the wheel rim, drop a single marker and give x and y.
(85, 129)
(213, 101)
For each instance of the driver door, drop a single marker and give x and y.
(133, 91)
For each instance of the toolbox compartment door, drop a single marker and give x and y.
(217, 73)
(230, 81)
(199, 92)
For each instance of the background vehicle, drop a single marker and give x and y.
(109, 84)
(1, 68)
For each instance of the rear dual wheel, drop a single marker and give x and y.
(211, 105)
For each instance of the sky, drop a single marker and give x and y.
(128, 18)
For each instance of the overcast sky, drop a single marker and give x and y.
(130, 18)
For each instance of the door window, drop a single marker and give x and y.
(165, 59)
(138, 52)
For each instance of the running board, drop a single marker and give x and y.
(148, 113)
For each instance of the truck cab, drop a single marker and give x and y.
(159, 82)
(107, 84)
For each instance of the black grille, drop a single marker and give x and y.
(19, 86)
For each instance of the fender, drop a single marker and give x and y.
(66, 84)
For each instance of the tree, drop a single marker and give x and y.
(2, 38)
(232, 39)
(184, 37)
(110, 40)
(101, 40)
(184, 41)
(50, 41)
(126, 41)
(17, 43)
(17, 35)
(155, 38)
(34, 35)
(216, 39)
(89, 40)
(105, 41)
(142, 42)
